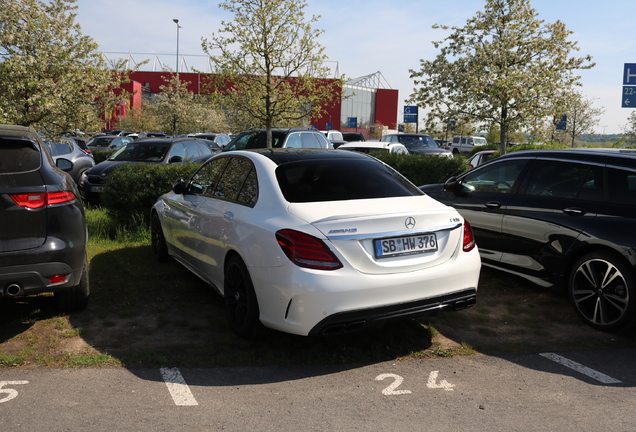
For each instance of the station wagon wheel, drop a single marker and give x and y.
(602, 291)
(159, 246)
(241, 305)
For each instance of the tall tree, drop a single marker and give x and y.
(50, 74)
(582, 116)
(181, 111)
(270, 64)
(630, 130)
(505, 67)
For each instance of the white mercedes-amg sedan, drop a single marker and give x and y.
(316, 242)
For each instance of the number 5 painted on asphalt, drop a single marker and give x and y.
(10, 393)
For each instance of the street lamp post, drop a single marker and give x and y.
(176, 21)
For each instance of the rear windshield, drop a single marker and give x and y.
(18, 156)
(337, 180)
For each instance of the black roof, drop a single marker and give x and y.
(284, 155)
(624, 157)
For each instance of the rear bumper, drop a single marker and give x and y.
(314, 302)
(349, 322)
(30, 269)
(18, 281)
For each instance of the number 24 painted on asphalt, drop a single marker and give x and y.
(10, 393)
(398, 380)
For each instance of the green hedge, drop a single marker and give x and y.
(132, 189)
(422, 170)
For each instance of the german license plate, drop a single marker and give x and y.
(409, 245)
(97, 188)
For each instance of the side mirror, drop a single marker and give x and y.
(64, 164)
(180, 187)
(175, 159)
(452, 185)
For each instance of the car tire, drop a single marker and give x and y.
(602, 290)
(241, 304)
(75, 298)
(159, 245)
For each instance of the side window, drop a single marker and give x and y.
(249, 192)
(622, 188)
(243, 141)
(310, 140)
(203, 149)
(205, 180)
(565, 180)
(177, 150)
(293, 141)
(496, 178)
(233, 179)
(191, 149)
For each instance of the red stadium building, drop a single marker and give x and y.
(366, 101)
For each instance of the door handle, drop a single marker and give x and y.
(493, 204)
(228, 215)
(572, 211)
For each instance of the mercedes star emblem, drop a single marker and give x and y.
(410, 222)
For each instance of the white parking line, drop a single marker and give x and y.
(177, 387)
(580, 368)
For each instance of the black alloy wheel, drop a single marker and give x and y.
(601, 288)
(241, 305)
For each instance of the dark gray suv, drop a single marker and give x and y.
(43, 235)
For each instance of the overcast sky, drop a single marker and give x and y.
(362, 37)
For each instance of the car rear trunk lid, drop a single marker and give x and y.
(418, 232)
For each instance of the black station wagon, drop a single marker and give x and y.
(561, 218)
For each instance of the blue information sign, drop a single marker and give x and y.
(629, 74)
(628, 99)
(563, 123)
(329, 126)
(410, 114)
(352, 122)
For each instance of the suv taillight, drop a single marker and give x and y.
(469, 238)
(37, 200)
(307, 251)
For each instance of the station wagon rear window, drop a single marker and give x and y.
(18, 156)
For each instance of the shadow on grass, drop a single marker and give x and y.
(149, 314)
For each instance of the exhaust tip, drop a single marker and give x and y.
(13, 290)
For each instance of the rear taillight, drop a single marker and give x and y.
(307, 251)
(37, 200)
(469, 238)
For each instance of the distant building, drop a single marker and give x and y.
(369, 99)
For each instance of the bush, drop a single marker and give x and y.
(422, 170)
(132, 189)
(101, 155)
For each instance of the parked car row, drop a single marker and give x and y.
(310, 240)
(150, 151)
